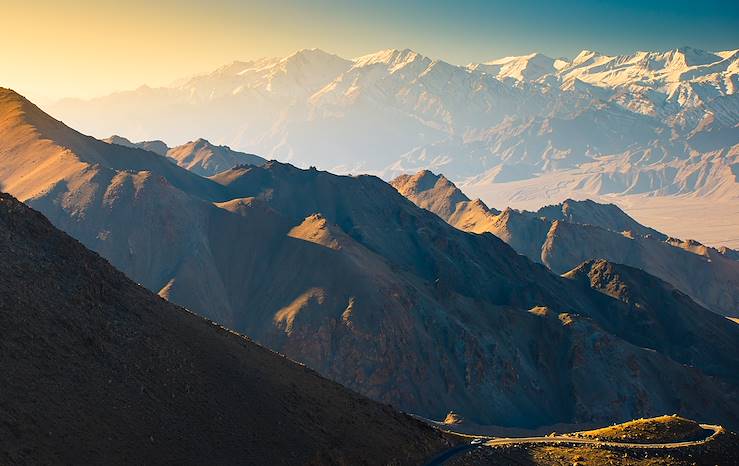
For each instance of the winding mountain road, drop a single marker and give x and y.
(571, 441)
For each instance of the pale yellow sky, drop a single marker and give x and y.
(89, 48)
(85, 48)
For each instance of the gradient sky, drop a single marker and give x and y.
(83, 48)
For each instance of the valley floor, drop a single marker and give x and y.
(712, 222)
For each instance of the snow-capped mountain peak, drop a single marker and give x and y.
(587, 55)
(298, 74)
(631, 123)
(393, 59)
(525, 67)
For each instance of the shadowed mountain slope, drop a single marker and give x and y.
(365, 210)
(653, 300)
(564, 235)
(711, 279)
(106, 372)
(348, 276)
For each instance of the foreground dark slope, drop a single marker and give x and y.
(349, 277)
(99, 370)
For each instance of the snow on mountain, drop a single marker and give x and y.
(648, 123)
(299, 74)
(520, 68)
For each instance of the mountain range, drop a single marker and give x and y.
(564, 235)
(346, 275)
(658, 123)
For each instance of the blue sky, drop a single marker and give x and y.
(473, 30)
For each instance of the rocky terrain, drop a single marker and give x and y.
(102, 371)
(347, 276)
(564, 235)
